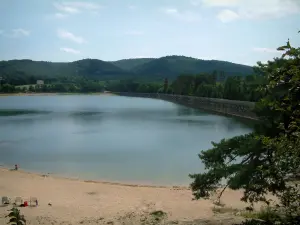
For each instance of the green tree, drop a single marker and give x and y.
(31, 88)
(260, 162)
(166, 85)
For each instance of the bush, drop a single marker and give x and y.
(15, 217)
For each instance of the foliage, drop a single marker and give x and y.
(172, 66)
(206, 85)
(266, 214)
(15, 217)
(129, 64)
(25, 72)
(261, 162)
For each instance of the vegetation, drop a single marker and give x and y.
(129, 64)
(202, 85)
(15, 217)
(171, 66)
(26, 72)
(261, 162)
(65, 84)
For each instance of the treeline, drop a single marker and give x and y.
(80, 86)
(204, 85)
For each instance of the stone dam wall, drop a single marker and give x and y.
(240, 109)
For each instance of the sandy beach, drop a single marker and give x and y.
(87, 202)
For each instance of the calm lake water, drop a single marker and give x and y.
(131, 140)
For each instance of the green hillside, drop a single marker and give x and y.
(19, 72)
(22, 72)
(129, 64)
(172, 66)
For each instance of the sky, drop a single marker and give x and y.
(239, 31)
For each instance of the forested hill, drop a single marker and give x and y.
(20, 72)
(129, 64)
(172, 66)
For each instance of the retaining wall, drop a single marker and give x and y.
(241, 109)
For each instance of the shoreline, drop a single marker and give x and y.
(55, 94)
(115, 183)
(73, 201)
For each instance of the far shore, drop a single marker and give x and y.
(51, 94)
(75, 201)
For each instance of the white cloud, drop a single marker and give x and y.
(15, 33)
(83, 5)
(63, 34)
(171, 11)
(70, 50)
(256, 9)
(266, 50)
(220, 3)
(60, 15)
(134, 32)
(187, 16)
(65, 8)
(227, 15)
(76, 7)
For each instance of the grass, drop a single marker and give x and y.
(265, 214)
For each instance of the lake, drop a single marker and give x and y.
(111, 138)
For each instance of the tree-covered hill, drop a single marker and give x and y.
(172, 66)
(22, 72)
(129, 64)
(19, 72)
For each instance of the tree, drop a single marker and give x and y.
(31, 88)
(166, 85)
(260, 162)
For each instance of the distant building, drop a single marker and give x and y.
(39, 82)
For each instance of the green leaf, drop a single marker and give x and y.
(282, 48)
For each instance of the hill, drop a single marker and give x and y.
(20, 72)
(172, 66)
(129, 64)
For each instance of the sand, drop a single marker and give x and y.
(88, 202)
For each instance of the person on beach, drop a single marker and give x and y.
(16, 167)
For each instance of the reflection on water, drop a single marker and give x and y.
(109, 137)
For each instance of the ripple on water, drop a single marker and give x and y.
(16, 112)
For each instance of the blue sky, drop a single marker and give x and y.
(240, 31)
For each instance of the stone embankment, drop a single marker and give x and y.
(240, 109)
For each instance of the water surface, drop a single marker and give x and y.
(132, 140)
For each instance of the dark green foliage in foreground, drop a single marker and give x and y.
(15, 217)
(262, 161)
